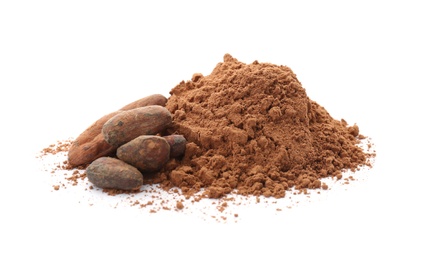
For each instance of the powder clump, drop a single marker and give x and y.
(252, 129)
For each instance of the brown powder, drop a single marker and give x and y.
(252, 130)
(60, 146)
(179, 205)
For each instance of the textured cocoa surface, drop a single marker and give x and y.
(252, 129)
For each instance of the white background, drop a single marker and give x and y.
(64, 64)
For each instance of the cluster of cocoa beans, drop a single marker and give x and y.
(134, 136)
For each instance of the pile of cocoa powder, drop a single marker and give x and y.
(252, 130)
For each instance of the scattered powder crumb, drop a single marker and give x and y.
(179, 205)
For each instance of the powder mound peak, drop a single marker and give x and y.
(228, 58)
(253, 129)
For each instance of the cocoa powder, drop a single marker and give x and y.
(251, 129)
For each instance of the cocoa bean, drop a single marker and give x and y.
(90, 145)
(112, 173)
(177, 145)
(125, 126)
(148, 153)
(155, 99)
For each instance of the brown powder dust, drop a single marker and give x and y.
(252, 130)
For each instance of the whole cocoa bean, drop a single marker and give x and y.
(108, 172)
(177, 145)
(148, 153)
(90, 144)
(125, 126)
